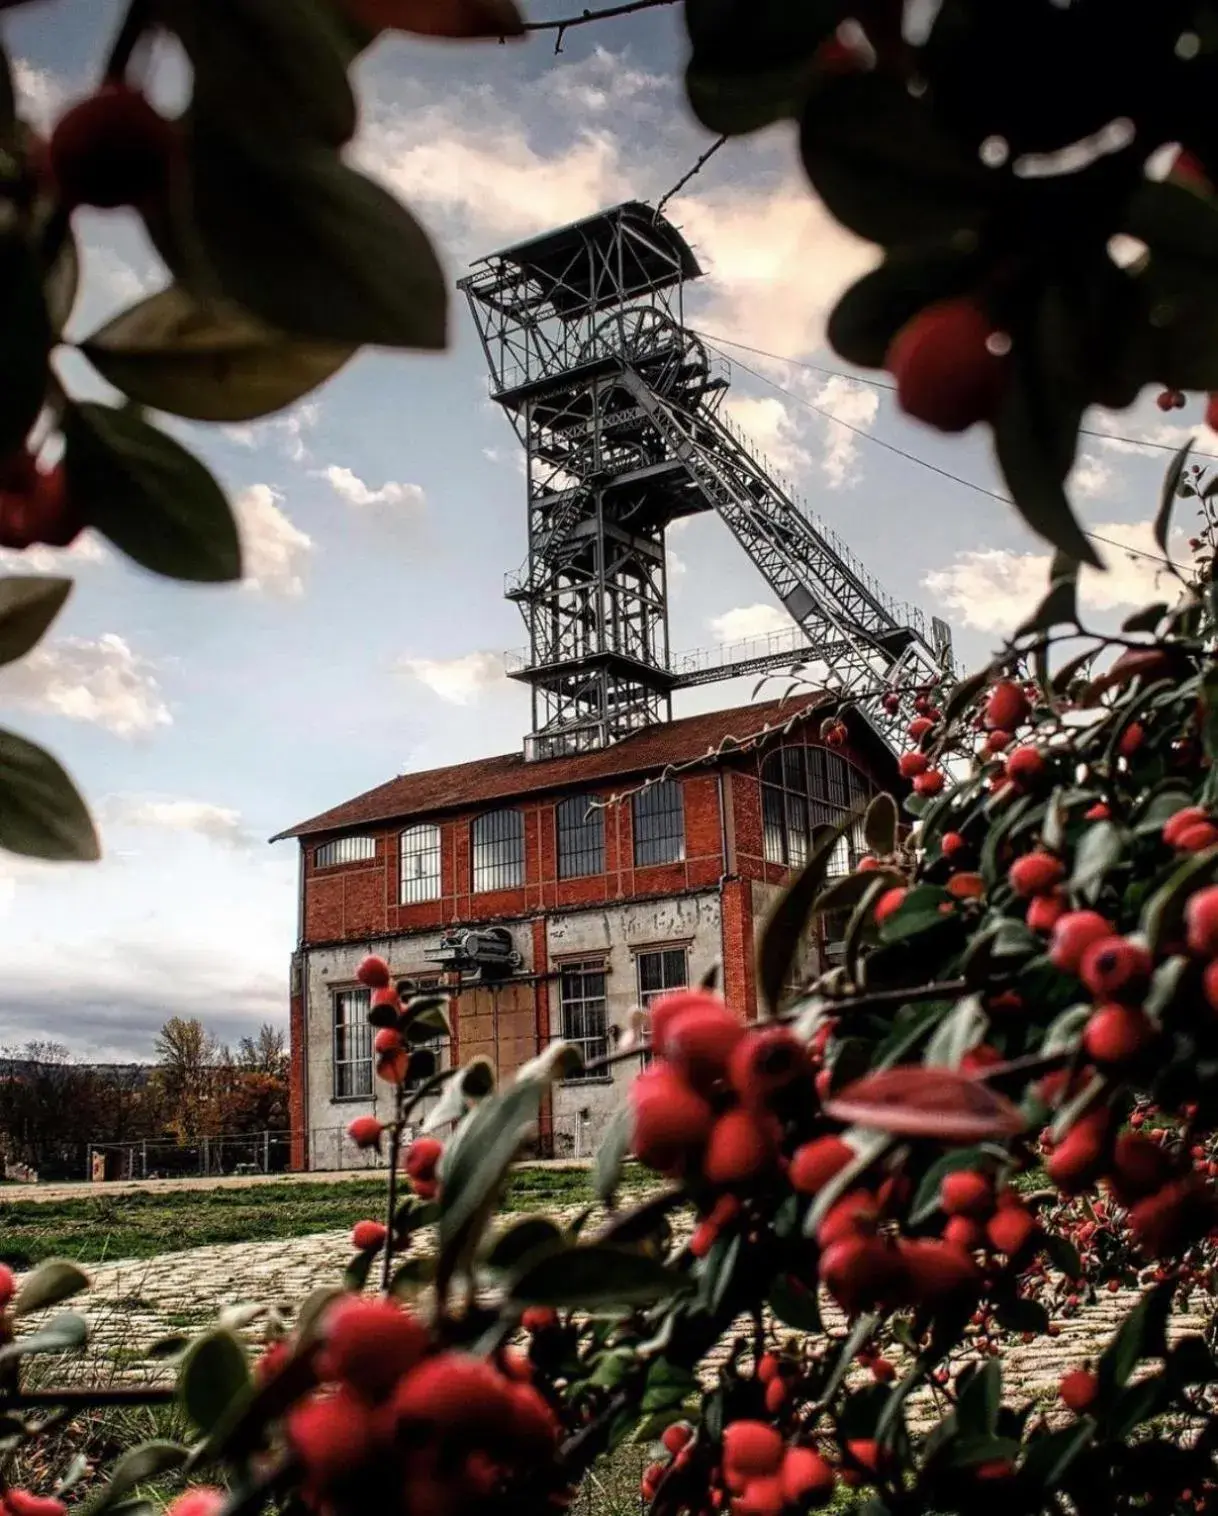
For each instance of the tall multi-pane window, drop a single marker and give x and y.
(581, 838)
(420, 855)
(659, 824)
(584, 1008)
(352, 1045)
(661, 970)
(498, 844)
(344, 850)
(807, 787)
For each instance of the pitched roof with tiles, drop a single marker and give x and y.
(461, 785)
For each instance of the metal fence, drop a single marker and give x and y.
(267, 1152)
(329, 1147)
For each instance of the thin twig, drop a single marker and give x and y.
(391, 1201)
(132, 27)
(690, 174)
(586, 16)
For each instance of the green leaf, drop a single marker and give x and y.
(155, 501)
(751, 60)
(668, 1386)
(926, 1197)
(481, 1154)
(474, 1083)
(315, 248)
(844, 893)
(139, 1465)
(611, 1155)
(594, 1277)
(732, 104)
(268, 70)
(1191, 1362)
(1049, 1457)
(960, 1030)
(780, 941)
(963, 694)
(874, 309)
(1146, 619)
(859, 1334)
(1022, 1315)
(214, 1374)
(980, 1400)
(25, 341)
(1097, 851)
(521, 1241)
(878, 158)
(50, 1283)
(355, 1275)
(1141, 1335)
(794, 1308)
(207, 361)
(1163, 913)
(422, 1024)
(880, 826)
(61, 1335)
(1058, 608)
(28, 605)
(1167, 498)
(1063, 1255)
(41, 814)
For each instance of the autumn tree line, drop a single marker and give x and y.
(54, 1106)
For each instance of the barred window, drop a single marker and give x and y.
(420, 862)
(352, 1045)
(344, 850)
(584, 1007)
(581, 838)
(661, 970)
(498, 841)
(807, 787)
(659, 824)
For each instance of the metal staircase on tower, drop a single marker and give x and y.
(618, 405)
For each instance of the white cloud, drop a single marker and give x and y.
(1165, 433)
(41, 94)
(457, 680)
(1091, 476)
(354, 491)
(601, 83)
(101, 681)
(88, 548)
(275, 549)
(287, 432)
(745, 621)
(853, 405)
(218, 823)
(768, 424)
(994, 589)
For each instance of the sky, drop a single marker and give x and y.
(380, 516)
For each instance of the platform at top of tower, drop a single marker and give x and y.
(604, 259)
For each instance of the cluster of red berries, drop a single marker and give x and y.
(392, 1056)
(951, 364)
(915, 765)
(834, 732)
(34, 504)
(436, 1431)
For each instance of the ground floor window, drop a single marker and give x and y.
(584, 1008)
(352, 1045)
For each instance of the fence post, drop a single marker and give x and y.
(266, 1152)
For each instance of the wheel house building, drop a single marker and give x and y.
(550, 898)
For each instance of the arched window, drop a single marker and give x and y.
(420, 864)
(806, 787)
(581, 838)
(498, 847)
(659, 824)
(344, 850)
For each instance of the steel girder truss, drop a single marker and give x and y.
(617, 406)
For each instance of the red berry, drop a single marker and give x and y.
(699, 1043)
(421, 1158)
(760, 1497)
(776, 1396)
(365, 1131)
(816, 1162)
(806, 1478)
(919, 727)
(370, 1344)
(1007, 706)
(366, 1235)
(1044, 912)
(8, 1285)
(1201, 921)
(23, 1503)
(752, 1448)
(1097, 812)
(666, 1008)
(936, 1272)
(964, 1233)
(393, 1067)
(1115, 967)
(890, 902)
(1175, 1217)
(996, 742)
(882, 1371)
(1010, 1229)
(463, 1396)
(1026, 767)
(866, 1453)
(387, 1040)
(911, 765)
(1117, 1034)
(386, 996)
(1036, 873)
(741, 1146)
(201, 1500)
(676, 1436)
(539, 1318)
(952, 845)
(891, 702)
(1139, 1168)
(1073, 934)
(930, 783)
(331, 1436)
(1079, 1156)
(113, 148)
(857, 1213)
(1198, 837)
(1131, 739)
(967, 1193)
(766, 1062)
(947, 372)
(1078, 1390)
(768, 1367)
(1211, 410)
(671, 1121)
(374, 972)
(861, 1272)
(1180, 821)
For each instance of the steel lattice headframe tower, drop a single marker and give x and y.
(616, 404)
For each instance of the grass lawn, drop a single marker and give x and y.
(140, 1224)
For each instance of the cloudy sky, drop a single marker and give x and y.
(380, 517)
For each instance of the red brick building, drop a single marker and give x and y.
(597, 881)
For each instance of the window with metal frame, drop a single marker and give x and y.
(344, 850)
(498, 848)
(352, 1045)
(584, 1008)
(806, 787)
(658, 814)
(419, 848)
(660, 970)
(581, 838)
